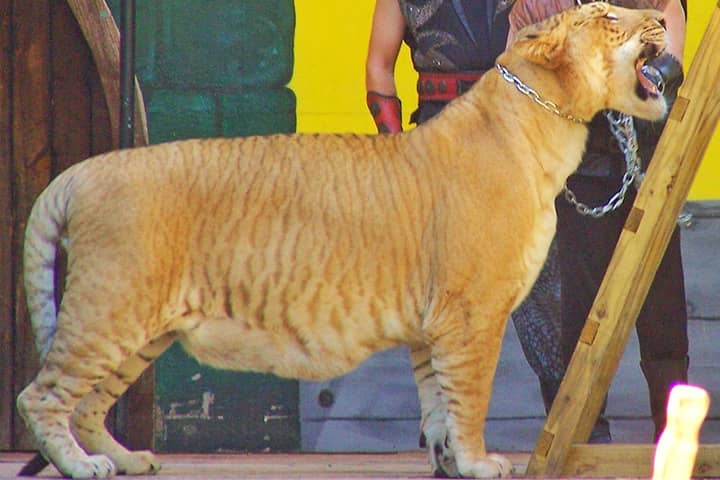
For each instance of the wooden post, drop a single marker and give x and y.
(638, 253)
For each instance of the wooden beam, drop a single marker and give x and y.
(71, 113)
(640, 248)
(103, 37)
(624, 460)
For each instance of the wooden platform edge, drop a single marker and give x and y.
(631, 460)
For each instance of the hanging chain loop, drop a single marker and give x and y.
(623, 129)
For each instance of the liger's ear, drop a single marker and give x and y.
(542, 43)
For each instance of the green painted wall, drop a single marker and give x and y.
(218, 68)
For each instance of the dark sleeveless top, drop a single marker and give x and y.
(455, 35)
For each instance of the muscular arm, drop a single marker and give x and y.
(386, 37)
(675, 23)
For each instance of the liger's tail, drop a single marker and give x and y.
(43, 234)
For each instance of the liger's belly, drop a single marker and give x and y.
(308, 353)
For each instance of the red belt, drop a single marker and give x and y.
(437, 86)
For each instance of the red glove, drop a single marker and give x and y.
(386, 111)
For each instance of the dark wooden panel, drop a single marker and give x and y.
(71, 103)
(101, 137)
(6, 232)
(31, 161)
(70, 67)
(54, 112)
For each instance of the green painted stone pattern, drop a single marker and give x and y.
(217, 68)
(248, 411)
(178, 114)
(221, 44)
(257, 112)
(227, 44)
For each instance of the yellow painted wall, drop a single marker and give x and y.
(706, 184)
(331, 40)
(329, 79)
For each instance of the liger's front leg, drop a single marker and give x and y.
(433, 407)
(465, 349)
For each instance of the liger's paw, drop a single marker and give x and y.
(443, 461)
(442, 456)
(94, 466)
(493, 466)
(138, 463)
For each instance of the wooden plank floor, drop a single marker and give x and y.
(407, 465)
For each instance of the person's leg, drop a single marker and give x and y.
(537, 323)
(662, 333)
(585, 246)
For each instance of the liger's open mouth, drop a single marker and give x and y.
(650, 81)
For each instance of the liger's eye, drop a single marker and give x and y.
(611, 16)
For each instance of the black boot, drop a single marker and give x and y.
(661, 375)
(601, 430)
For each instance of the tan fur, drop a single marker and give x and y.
(301, 255)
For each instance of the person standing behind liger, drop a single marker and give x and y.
(452, 43)
(586, 243)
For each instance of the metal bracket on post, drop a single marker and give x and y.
(126, 139)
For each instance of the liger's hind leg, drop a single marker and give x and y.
(465, 348)
(47, 404)
(88, 420)
(81, 358)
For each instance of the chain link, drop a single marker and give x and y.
(548, 105)
(623, 128)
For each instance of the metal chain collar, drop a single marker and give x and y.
(526, 90)
(623, 129)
